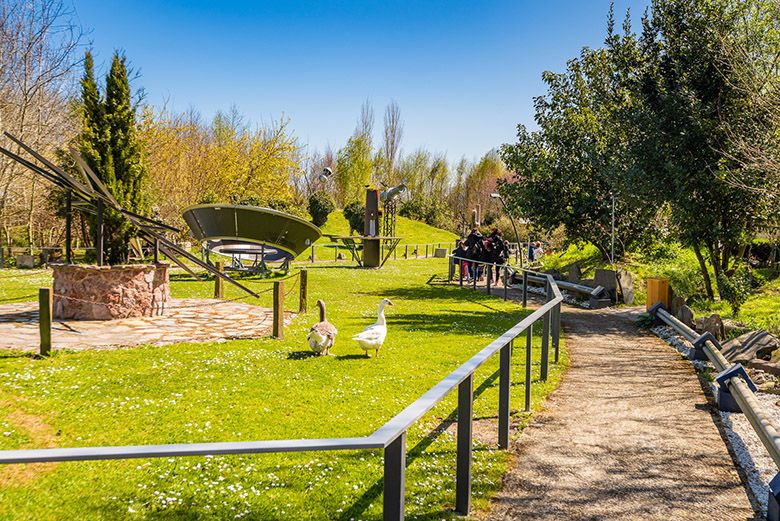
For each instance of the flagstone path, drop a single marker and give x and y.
(185, 320)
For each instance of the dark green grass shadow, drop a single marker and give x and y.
(375, 490)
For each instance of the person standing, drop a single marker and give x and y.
(499, 251)
(460, 253)
(474, 248)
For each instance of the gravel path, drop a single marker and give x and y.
(628, 435)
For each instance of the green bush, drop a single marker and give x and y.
(736, 289)
(355, 214)
(426, 209)
(686, 280)
(320, 206)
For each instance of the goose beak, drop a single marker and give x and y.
(389, 303)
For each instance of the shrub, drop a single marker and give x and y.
(429, 210)
(686, 280)
(735, 289)
(320, 206)
(355, 214)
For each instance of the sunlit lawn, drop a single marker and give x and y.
(261, 389)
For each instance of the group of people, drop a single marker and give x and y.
(491, 249)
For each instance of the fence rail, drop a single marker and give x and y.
(391, 437)
(732, 382)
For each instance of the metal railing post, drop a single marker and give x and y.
(545, 346)
(474, 273)
(525, 289)
(504, 387)
(529, 334)
(546, 336)
(463, 471)
(556, 331)
(460, 270)
(312, 253)
(489, 277)
(395, 479)
(506, 283)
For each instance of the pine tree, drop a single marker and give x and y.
(109, 145)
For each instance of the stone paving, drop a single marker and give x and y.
(185, 320)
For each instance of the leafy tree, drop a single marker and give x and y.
(353, 169)
(109, 145)
(567, 172)
(320, 206)
(684, 95)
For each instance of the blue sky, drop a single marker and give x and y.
(463, 72)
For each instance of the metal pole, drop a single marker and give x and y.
(395, 479)
(99, 233)
(612, 253)
(489, 277)
(68, 227)
(463, 470)
(504, 386)
(474, 271)
(529, 334)
(545, 346)
(156, 251)
(556, 331)
(506, 283)
(525, 289)
(312, 253)
(460, 270)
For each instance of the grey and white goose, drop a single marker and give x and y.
(322, 334)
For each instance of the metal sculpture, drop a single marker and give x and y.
(93, 196)
(252, 236)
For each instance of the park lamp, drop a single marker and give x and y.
(326, 174)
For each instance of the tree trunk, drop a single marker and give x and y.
(704, 271)
(725, 258)
(714, 253)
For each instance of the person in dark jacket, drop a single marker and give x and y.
(498, 250)
(474, 248)
(461, 252)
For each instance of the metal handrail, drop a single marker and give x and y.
(391, 436)
(765, 428)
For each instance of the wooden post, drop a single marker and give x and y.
(219, 283)
(303, 303)
(278, 320)
(44, 321)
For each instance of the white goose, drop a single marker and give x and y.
(322, 334)
(373, 336)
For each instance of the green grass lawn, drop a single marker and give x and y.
(263, 389)
(411, 232)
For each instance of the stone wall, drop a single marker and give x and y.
(107, 292)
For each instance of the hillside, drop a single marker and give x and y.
(412, 232)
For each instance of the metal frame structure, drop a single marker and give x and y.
(93, 194)
(391, 437)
